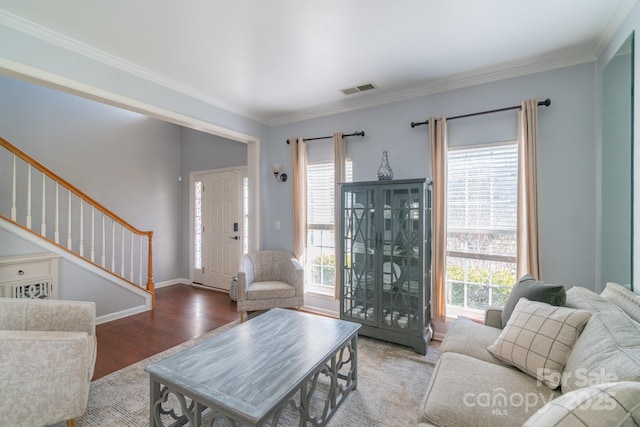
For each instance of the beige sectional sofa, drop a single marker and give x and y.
(597, 369)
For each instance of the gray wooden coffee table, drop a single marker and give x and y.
(282, 360)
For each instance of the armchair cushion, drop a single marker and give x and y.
(272, 289)
(471, 339)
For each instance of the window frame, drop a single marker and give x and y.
(310, 287)
(455, 310)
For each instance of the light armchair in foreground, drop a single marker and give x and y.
(47, 358)
(269, 279)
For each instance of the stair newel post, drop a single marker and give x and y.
(150, 285)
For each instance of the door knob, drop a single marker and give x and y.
(234, 237)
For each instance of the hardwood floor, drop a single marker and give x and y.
(182, 312)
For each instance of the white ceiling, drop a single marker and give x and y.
(279, 61)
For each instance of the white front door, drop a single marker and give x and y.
(221, 228)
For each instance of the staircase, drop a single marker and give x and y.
(46, 206)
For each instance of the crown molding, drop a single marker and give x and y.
(478, 77)
(611, 25)
(488, 75)
(64, 84)
(60, 40)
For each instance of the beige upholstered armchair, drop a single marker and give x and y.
(269, 279)
(47, 357)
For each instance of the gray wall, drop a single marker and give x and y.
(126, 161)
(58, 65)
(202, 152)
(630, 24)
(617, 156)
(566, 156)
(568, 151)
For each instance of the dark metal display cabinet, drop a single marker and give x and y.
(385, 259)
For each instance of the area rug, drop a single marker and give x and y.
(392, 381)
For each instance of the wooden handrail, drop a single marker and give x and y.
(150, 287)
(33, 162)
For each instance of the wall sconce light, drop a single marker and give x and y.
(277, 168)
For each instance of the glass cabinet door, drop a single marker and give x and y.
(359, 243)
(402, 254)
(385, 257)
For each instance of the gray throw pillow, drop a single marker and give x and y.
(533, 290)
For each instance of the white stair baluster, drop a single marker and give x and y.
(93, 234)
(56, 225)
(29, 197)
(81, 246)
(140, 264)
(43, 225)
(69, 241)
(122, 254)
(113, 246)
(131, 260)
(103, 256)
(13, 191)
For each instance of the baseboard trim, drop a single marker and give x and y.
(318, 310)
(121, 314)
(172, 282)
(438, 336)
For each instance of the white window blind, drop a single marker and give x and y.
(320, 263)
(481, 200)
(320, 192)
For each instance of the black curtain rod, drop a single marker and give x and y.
(361, 133)
(546, 103)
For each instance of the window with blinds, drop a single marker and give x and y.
(481, 225)
(320, 262)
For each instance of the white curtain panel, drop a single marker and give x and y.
(299, 171)
(528, 254)
(439, 148)
(339, 169)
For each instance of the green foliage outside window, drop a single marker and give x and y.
(323, 270)
(479, 281)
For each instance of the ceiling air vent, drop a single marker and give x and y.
(358, 89)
